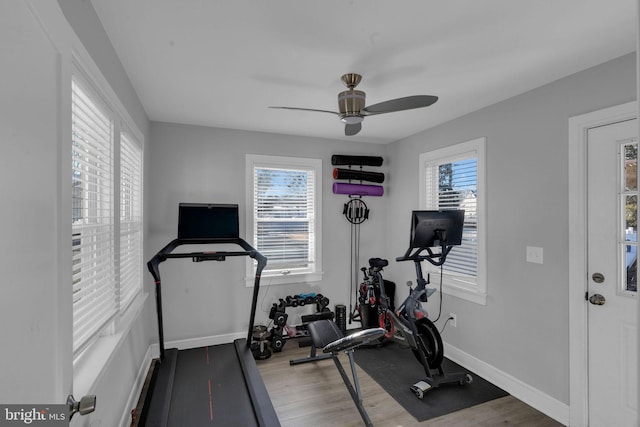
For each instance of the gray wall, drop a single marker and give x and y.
(35, 367)
(199, 164)
(524, 328)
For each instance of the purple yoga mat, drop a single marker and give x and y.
(357, 189)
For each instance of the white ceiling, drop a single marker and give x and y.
(221, 63)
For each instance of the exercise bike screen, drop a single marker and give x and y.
(426, 226)
(207, 221)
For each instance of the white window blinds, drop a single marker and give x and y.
(130, 259)
(284, 228)
(452, 184)
(93, 258)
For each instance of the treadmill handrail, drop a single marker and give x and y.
(166, 253)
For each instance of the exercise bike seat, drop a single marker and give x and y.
(378, 262)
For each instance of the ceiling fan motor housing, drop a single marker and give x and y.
(350, 102)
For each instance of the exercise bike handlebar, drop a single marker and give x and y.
(435, 259)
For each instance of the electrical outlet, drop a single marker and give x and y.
(453, 320)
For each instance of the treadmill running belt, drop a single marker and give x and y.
(209, 389)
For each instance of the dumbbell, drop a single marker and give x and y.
(277, 343)
(280, 318)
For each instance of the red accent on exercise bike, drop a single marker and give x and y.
(387, 323)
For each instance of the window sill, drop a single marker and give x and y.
(282, 279)
(465, 293)
(89, 366)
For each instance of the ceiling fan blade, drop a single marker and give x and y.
(399, 104)
(307, 109)
(351, 130)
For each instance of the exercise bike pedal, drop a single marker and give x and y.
(420, 388)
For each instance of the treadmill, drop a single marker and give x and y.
(217, 385)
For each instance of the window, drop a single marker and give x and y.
(453, 178)
(106, 199)
(130, 261)
(94, 302)
(628, 223)
(283, 220)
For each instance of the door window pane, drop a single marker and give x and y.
(630, 283)
(629, 222)
(631, 166)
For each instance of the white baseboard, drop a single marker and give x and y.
(520, 390)
(198, 342)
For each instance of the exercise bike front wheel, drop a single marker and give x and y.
(431, 342)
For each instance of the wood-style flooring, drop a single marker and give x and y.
(314, 395)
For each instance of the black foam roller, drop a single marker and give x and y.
(307, 318)
(342, 159)
(358, 175)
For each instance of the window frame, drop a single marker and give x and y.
(474, 291)
(284, 275)
(88, 77)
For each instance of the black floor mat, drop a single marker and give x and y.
(396, 369)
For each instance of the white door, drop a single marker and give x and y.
(612, 287)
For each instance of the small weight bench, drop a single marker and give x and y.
(326, 335)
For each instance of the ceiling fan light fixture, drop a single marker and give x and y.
(351, 120)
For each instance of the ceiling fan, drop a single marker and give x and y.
(352, 110)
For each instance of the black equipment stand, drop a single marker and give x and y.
(218, 385)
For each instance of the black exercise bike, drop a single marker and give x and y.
(409, 325)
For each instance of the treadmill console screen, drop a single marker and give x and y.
(208, 221)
